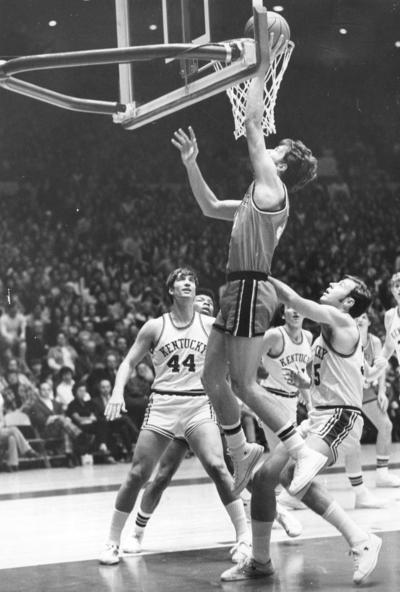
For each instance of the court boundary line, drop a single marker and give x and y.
(115, 486)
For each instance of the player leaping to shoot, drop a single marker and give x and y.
(250, 301)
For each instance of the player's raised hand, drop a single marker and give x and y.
(114, 407)
(186, 144)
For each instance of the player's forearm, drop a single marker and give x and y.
(285, 294)
(123, 374)
(382, 383)
(204, 196)
(255, 102)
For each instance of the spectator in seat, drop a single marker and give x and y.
(39, 371)
(47, 416)
(36, 342)
(23, 372)
(64, 388)
(104, 371)
(87, 360)
(121, 346)
(61, 354)
(12, 330)
(82, 411)
(123, 432)
(15, 442)
(16, 395)
(137, 393)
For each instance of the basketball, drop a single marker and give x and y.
(276, 24)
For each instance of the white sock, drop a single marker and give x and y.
(357, 483)
(141, 521)
(261, 540)
(236, 441)
(291, 439)
(118, 521)
(382, 465)
(336, 516)
(238, 518)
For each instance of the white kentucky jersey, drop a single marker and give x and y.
(371, 350)
(394, 329)
(337, 379)
(294, 356)
(178, 356)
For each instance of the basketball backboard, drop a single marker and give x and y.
(149, 85)
(145, 79)
(151, 22)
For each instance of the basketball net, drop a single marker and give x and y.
(238, 93)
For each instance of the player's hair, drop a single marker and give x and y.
(174, 274)
(301, 165)
(361, 296)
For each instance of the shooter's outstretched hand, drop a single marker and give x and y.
(187, 145)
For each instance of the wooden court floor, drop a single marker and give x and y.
(54, 522)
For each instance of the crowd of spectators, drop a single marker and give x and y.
(92, 224)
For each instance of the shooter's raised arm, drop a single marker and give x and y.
(210, 205)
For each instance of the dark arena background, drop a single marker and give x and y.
(94, 218)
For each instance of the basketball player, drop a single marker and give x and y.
(391, 346)
(287, 352)
(375, 404)
(169, 463)
(286, 356)
(334, 422)
(249, 301)
(178, 406)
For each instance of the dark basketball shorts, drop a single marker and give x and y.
(339, 427)
(247, 306)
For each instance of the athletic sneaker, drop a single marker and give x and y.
(243, 468)
(365, 557)
(289, 523)
(249, 569)
(308, 464)
(240, 551)
(289, 502)
(366, 499)
(110, 554)
(132, 544)
(387, 480)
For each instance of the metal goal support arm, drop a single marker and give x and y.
(222, 51)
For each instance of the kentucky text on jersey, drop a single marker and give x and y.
(320, 352)
(293, 358)
(192, 344)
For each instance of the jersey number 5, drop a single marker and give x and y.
(317, 377)
(188, 362)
